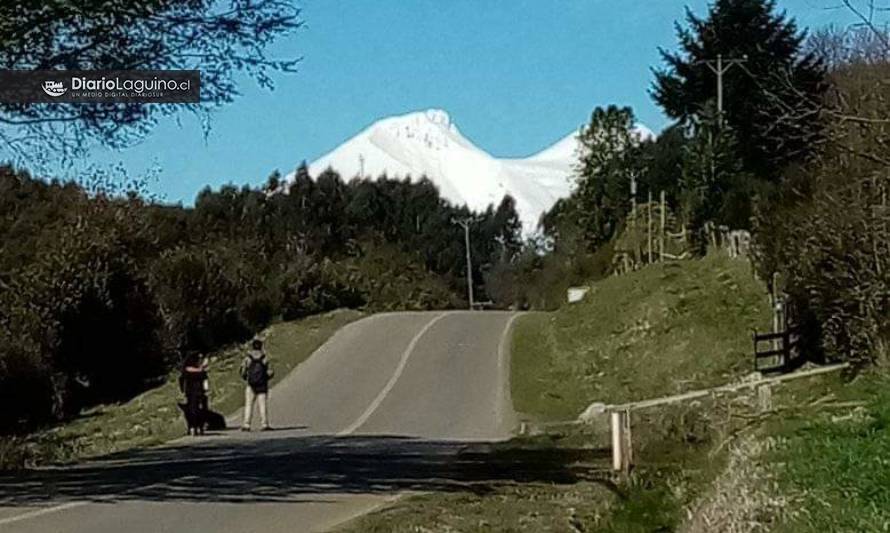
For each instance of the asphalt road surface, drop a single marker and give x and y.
(392, 404)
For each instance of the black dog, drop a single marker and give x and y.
(194, 418)
(214, 421)
(197, 420)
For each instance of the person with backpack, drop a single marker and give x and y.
(256, 371)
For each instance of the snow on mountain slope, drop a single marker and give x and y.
(428, 143)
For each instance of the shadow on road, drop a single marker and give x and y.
(283, 466)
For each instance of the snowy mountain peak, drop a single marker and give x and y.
(428, 143)
(438, 116)
(415, 125)
(562, 150)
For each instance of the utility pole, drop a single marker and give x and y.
(633, 199)
(720, 67)
(662, 213)
(465, 224)
(649, 226)
(361, 166)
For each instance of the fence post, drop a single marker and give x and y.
(786, 346)
(628, 443)
(649, 225)
(754, 338)
(622, 445)
(661, 234)
(774, 302)
(617, 441)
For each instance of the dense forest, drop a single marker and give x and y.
(103, 291)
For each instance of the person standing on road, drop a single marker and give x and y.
(194, 385)
(256, 371)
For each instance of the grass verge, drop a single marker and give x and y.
(815, 462)
(663, 330)
(832, 447)
(152, 417)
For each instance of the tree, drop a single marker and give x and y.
(220, 39)
(604, 171)
(839, 47)
(710, 170)
(662, 161)
(505, 229)
(776, 78)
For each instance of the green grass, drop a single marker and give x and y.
(816, 462)
(834, 451)
(663, 330)
(153, 417)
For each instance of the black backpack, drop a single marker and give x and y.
(256, 372)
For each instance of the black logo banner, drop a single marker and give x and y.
(99, 86)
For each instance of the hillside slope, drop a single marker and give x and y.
(665, 329)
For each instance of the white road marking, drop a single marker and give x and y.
(80, 503)
(235, 419)
(386, 501)
(504, 402)
(403, 362)
(41, 512)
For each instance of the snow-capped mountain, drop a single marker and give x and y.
(428, 143)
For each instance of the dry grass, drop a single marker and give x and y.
(744, 498)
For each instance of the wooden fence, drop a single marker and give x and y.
(776, 351)
(620, 415)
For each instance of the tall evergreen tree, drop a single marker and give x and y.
(604, 171)
(766, 100)
(506, 230)
(710, 169)
(661, 163)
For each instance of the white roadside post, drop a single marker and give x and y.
(622, 454)
(617, 438)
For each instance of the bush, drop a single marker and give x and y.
(828, 234)
(833, 254)
(208, 296)
(379, 277)
(536, 281)
(311, 288)
(81, 326)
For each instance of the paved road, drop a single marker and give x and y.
(392, 404)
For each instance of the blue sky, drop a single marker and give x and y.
(515, 75)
